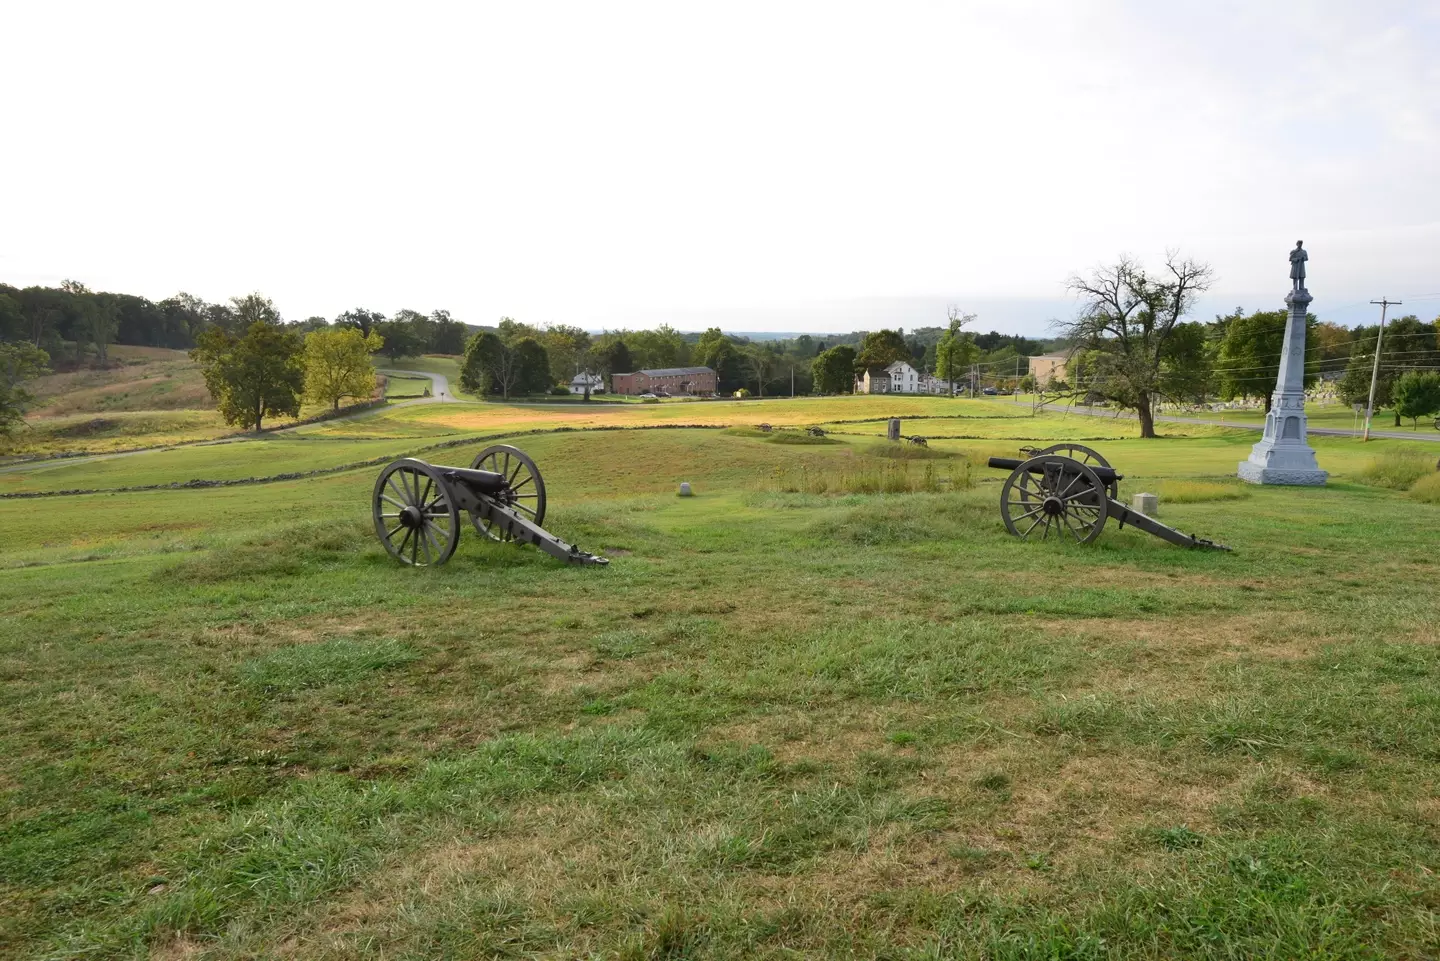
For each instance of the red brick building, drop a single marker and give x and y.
(675, 381)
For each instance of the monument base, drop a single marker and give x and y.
(1255, 474)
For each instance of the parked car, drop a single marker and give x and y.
(648, 396)
(991, 391)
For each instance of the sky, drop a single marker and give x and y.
(756, 166)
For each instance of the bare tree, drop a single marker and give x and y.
(1126, 320)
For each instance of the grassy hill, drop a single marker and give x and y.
(779, 724)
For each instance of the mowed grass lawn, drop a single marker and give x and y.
(777, 725)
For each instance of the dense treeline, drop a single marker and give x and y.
(73, 324)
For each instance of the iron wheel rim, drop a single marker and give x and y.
(415, 517)
(525, 492)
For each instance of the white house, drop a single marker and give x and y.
(898, 378)
(597, 383)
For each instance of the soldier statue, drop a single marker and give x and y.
(1298, 256)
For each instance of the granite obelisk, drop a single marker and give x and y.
(1283, 456)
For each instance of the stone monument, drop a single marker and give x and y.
(1282, 456)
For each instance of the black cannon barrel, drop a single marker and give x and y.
(480, 481)
(1106, 474)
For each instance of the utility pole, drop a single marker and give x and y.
(792, 381)
(1375, 372)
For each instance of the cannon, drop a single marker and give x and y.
(417, 507)
(1071, 490)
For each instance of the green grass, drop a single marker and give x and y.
(779, 724)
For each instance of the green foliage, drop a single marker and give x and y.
(833, 371)
(1416, 394)
(19, 363)
(954, 354)
(259, 375)
(491, 366)
(613, 357)
(1127, 320)
(1248, 362)
(400, 339)
(881, 348)
(337, 365)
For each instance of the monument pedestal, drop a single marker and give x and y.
(1283, 456)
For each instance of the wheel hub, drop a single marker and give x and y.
(1054, 506)
(411, 517)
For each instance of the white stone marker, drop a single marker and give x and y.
(1147, 504)
(1283, 456)
(684, 488)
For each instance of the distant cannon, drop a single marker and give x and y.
(1071, 490)
(417, 507)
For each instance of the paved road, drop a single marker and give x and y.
(439, 384)
(1258, 428)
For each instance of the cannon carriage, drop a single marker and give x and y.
(417, 507)
(1070, 490)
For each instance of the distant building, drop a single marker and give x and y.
(898, 378)
(685, 381)
(597, 383)
(1048, 368)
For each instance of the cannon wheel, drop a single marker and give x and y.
(415, 516)
(1046, 502)
(525, 490)
(1085, 455)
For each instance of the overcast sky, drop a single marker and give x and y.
(762, 166)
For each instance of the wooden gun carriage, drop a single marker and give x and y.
(1071, 490)
(417, 507)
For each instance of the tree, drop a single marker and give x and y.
(1129, 317)
(400, 339)
(661, 347)
(361, 319)
(448, 333)
(532, 367)
(569, 351)
(1248, 363)
(760, 362)
(19, 363)
(833, 371)
(255, 376)
(955, 352)
(492, 366)
(482, 352)
(337, 364)
(510, 330)
(613, 357)
(1407, 344)
(1416, 394)
(254, 308)
(720, 354)
(881, 348)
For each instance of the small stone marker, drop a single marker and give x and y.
(892, 429)
(1147, 504)
(684, 488)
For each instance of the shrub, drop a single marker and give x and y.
(1427, 489)
(1397, 469)
(795, 437)
(559, 391)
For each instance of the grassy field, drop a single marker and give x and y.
(777, 725)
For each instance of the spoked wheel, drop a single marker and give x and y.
(1085, 455)
(525, 488)
(415, 517)
(1050, 494)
